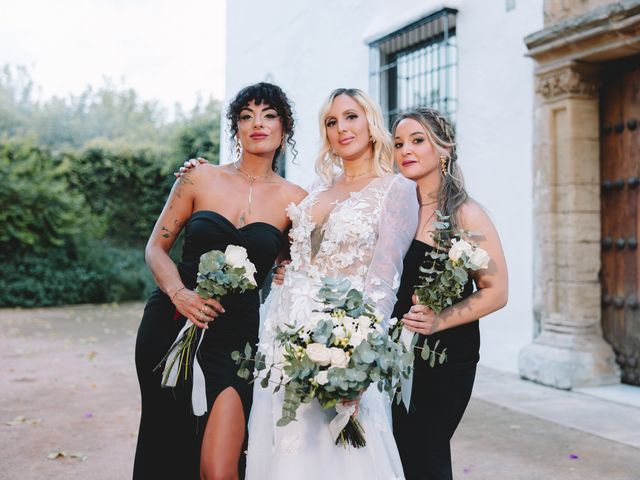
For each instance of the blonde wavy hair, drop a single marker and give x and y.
(328, 163)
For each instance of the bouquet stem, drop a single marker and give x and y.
(177, 359)
(352, 434)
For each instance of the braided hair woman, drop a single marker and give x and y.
(425, 151)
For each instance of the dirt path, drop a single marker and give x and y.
(70, 373)
(68, 384)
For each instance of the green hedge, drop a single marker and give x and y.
(73, 225)
(124, 188)
(39, 211)
(108, 274)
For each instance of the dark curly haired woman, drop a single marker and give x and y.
(242, 203)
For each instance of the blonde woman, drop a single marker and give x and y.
(357, 222)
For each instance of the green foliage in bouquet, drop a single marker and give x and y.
(442, 281)
(334, 360)
(445, 271)
(219, 274)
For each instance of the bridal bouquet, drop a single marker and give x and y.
(334, 357)
(218, 274)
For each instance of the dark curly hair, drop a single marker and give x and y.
(273, 96)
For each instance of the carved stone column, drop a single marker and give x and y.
(569, 350)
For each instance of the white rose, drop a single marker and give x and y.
(235, 256)
(458, 247)
(319, 354)
(250, 270)
(338, 358)
(322, 377)
(356, 339)
(479, 259)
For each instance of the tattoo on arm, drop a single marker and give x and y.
(171, 233)
(184, 180)
(168, 233)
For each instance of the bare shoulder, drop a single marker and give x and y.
(473, 216)
(292, 192)
(205, 174)
(210, 170)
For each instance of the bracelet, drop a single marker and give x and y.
(175, 294)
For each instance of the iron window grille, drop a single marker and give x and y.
(416, 66)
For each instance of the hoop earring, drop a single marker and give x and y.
(443, 165)
(238, 149)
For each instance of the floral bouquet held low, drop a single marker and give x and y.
(445, 272)
(333, 358)
(218, 274)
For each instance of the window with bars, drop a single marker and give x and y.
(416, 66)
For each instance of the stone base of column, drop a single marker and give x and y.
(568, 358)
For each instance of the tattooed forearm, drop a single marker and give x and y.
(167, 233)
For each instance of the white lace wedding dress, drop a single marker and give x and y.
(364, 239)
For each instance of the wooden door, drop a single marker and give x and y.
(619, 173)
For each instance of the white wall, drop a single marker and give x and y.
(311, 48)
(495, 132)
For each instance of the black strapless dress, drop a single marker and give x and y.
(440, 394)
(170, 437)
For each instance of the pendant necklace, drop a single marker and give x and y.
(252, 179)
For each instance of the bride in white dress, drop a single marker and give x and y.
(357, 224)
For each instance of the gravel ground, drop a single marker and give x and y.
(69, 391)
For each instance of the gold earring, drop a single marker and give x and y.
(238, 149)
(443, 165)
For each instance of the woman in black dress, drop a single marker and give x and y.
(242, 204)
(425, 151)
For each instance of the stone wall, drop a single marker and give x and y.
(580, 36)
(557, 10)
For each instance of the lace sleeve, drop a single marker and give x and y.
(396, 229)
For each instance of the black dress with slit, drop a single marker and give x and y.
(170, 436)
(440, 394)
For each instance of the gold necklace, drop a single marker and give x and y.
(252, 178)
(427, 204)
(356, 176)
